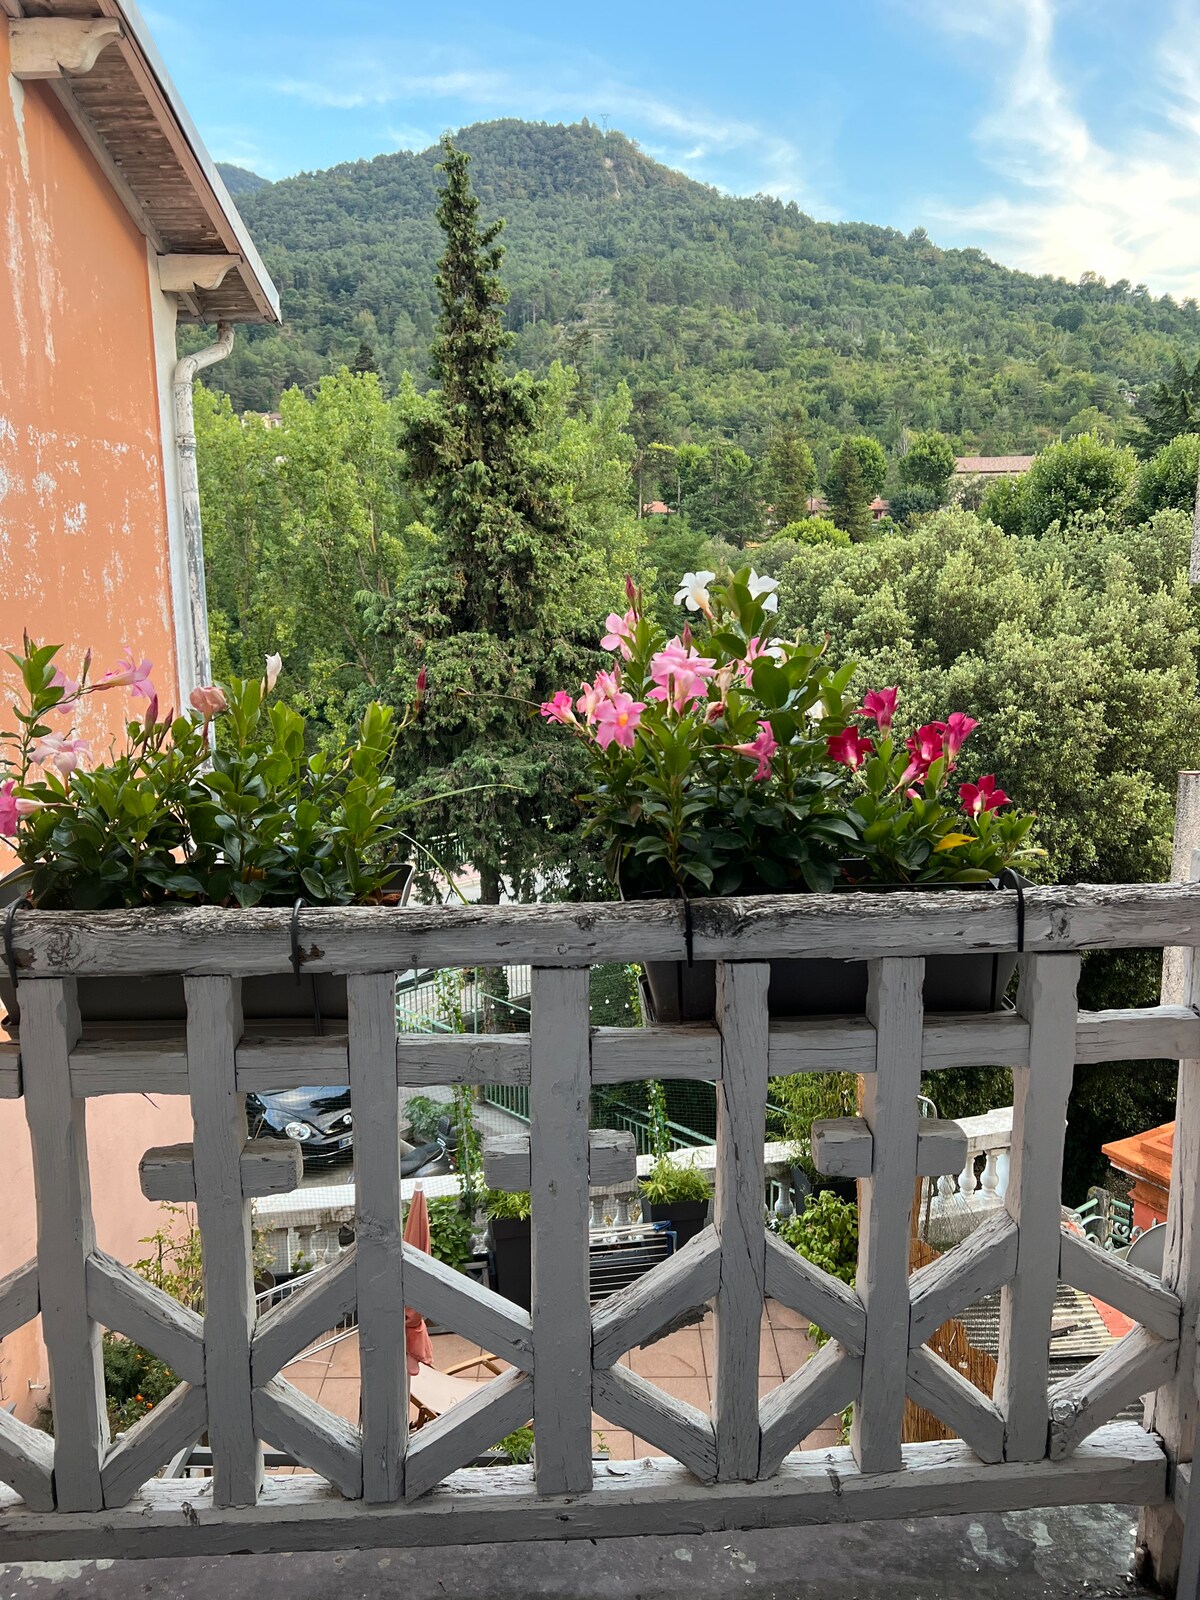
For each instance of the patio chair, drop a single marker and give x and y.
(432, 1392)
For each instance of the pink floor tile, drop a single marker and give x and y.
(678, 1356)
(794, 1348)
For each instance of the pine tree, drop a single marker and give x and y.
(789, 477)
(500, 611)
(849, 503)
(365, 360)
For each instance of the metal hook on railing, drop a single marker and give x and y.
(1009, 878)
(10, 954)
(688, 931)
(296, 939)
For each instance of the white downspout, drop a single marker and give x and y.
(186, 369)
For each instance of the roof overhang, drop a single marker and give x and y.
(114, 87)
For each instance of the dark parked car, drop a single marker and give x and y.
(318, 1119)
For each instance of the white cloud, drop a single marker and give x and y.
(730, 152)
(1072, 202)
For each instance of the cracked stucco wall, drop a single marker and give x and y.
(83, 548)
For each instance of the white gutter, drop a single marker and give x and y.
(196, 601)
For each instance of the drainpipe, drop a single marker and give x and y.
(186, 368)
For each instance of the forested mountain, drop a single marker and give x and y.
(240, 180)
(727, 316)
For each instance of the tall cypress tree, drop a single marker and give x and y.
(849, 502)
(500, 610)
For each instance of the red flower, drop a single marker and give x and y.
(959, 727)
(880, 706)
(849, 747)
(982, 796)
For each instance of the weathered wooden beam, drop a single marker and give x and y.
(1118, 1465)
(822, 1387)
(686, 1280)
(889, 1105)
(18, 1298)
(626, 1055)
(841, 1147)
(954, 1400)
(1134, 1366)
(49, 47)
(453, 1300)
(268, 1166)
(293, 1422)
(66, 1238)
(27, 1462)
(177, 1421)
(821, 1044)
(1046, 998)
(612, 1159)
(187, 274)
(470, 1427)
(560, 1082)
(127, 1304)
(628, 1400)
(832, 1305)
(977, 1267)
(10, 1069)
(291, 1326)
(737, 1212)
(200, 940)
(1144, 1033)
(378, 1234)
(214, 1026)
(941, 1147)
(968, 1039)
(1138, 1294)
(424, 1059)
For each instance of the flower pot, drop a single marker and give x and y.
(817, 987)
(686, 1217)
(509, 1247)
(160, 998)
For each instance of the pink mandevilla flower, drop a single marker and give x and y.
(849, 747)
(558, 708)
(8, 807)
(925, 747)
(606, 685)
(56, 750)
(209, 700)
(959, 728)
(616, 720)
(680, 674)
(70, 689)
(760, 749)
(880, 706)
(620, 633)
(982, 796)
(137, 677)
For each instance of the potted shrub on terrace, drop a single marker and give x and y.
(225, 804)
(729, 761)
(671, 1192)
(509, 1244)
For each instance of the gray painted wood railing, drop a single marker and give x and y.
(84, 1494)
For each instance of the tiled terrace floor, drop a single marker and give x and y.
(681, 1365)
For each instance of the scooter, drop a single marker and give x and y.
(435, 1159)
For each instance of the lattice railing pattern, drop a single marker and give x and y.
(564, 1359)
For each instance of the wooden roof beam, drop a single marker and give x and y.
(51, 47)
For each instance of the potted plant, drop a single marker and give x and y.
(509, 1245)
(225, 804)
(730, 761)
(671, 1192)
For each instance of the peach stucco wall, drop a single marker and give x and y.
(83, 548)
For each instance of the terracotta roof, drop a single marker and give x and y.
(130, 114)
(1145, 1155)
(657, 508)
(992, 466)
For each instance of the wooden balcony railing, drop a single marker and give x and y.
(82, 1494)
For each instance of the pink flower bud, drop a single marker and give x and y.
(208, 700)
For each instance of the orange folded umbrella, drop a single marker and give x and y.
(416, 1334)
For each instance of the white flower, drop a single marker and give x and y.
(693, 590)
(765, 586)
(274, 668)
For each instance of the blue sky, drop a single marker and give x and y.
(1058, 135)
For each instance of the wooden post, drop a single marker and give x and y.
(1171, 1410)
(888, 1103)
(738, 1212)
(214, 1028)
(379, 1234)
(66, 1238)
(1047, 1000)
(559, 1087)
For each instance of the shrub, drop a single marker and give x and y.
(811, 530)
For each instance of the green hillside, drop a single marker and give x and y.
(724, 315)
(240, 180)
